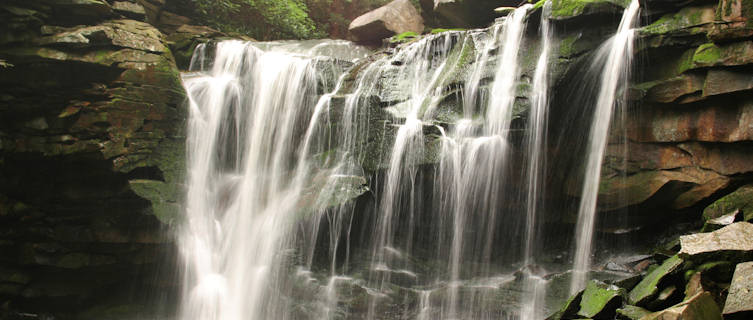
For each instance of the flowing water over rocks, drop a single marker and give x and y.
(325, 184)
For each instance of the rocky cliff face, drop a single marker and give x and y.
(91, 158)
(689, 127)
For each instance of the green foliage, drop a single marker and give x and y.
(280, 19)
(261, 19)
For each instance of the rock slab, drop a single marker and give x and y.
(736, 238)
(740, 297)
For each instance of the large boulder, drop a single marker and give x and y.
(396, 17)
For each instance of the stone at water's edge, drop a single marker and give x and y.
(393, 18)
(740, 297)
(734, 241)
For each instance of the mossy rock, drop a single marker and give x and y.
(569, 9)
(686, 18)
(715, 55)
(632, 312)
(741, 199)
(600, 300)
(648, 288)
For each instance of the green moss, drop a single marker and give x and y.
(538, 4)
(740, 199)
(567, 46)
(707, 53)
(571, 8)
(648, 287)
(632, 312)
(404, 37)
(598, 297)
(685, 18)
(440, 30)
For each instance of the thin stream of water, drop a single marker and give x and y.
(616, 57)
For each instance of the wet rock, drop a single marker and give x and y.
(600, 300)
(734, 240)
(469, 13)
(720, 222)
(681, 21)
(575, 9)
(393, 18)
(632, 312)
(726, 159)
(734, 21)
(739, 301)
(713, 55)
(700, 306)
(186, 38)
(86, 11)
(129, 9)
(670, 90)
(718, 271)
(695, 285)
(665, 297)
(739, 200)
(649, 287)
(569, 309)
(720, 81)
(722, 120)
(617, 192)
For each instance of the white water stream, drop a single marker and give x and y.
(614, 57)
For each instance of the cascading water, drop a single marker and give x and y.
(472, 173)
(244, 192)
(535, 284)
(322, 186)
(614, 58)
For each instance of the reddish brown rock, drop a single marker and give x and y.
(718, 121)
(720, 81)
(735, 21)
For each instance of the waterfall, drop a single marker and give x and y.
(325, 182)
(535, 285)
(614, 57)
(472, 170)
(248, 109)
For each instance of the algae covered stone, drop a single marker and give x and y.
(600, 300)
(741, 199)
(648, 288)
